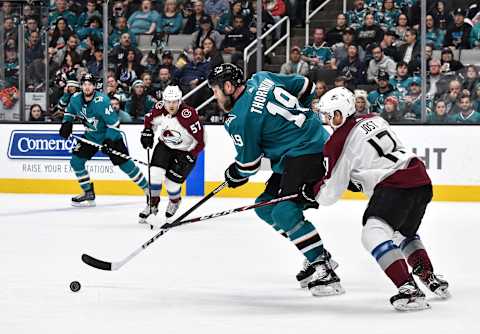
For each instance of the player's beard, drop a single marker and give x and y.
(89, 96)
(228, 104)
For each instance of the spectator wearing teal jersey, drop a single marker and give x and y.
(84, 18)
(400, 81)
(123, 116)
(475, 36)
(225, 24)
(170, 21)
(318, 55)
(144, 21)
(434, 35)
(387, 16)
(93, 29)
(466, 114)
(121, 27)
(413, 102)
(62, 11)
(376, 98)
(356, 16)
(439, 115)
(374, 5)
(140, 102)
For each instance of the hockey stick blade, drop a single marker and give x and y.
(99, 264)
(111, 266)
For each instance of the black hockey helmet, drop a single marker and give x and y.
(88, 77)
(226, 72)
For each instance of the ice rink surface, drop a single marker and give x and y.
(228, 275)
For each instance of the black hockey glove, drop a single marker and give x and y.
(306, 196)
(107, 146)
(146, 138)
(190, 158)
(66, 129)
(233, 178)
(354, 187)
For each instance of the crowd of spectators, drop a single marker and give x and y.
(372, 49)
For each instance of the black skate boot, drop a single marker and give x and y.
(172, 208)
(150, 208)
(434, 283)
(324, 281)
(305, 275)
(409, 298)
(86, 199)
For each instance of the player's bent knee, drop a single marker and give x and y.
(375, 232)
(265, 212)
(287, 215)
(157, 174)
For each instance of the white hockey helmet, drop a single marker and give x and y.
(337, 99)
(172, 93)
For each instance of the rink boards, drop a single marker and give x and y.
(34, 159)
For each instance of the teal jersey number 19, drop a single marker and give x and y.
(272, 119)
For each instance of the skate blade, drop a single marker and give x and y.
(85, 204)
(407, 306)
(327, 290)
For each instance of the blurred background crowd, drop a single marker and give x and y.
(372, 47)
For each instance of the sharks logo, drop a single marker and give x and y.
(229, 119)
(172, 136)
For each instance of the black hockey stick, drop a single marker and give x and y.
(120, 154)
(227, 212)
(104, 265)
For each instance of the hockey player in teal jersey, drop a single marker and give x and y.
(269, 117)
(101, 126)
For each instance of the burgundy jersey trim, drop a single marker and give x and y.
(334, 146)
(415, 175)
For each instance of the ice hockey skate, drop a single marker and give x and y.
(324, 281)
(409, 298)
(150, 208)
(435, 283)
(86, 199)
(172, 208)
(305, 275)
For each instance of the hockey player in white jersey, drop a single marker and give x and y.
(180, 140)
(364, 154)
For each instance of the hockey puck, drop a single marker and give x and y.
(75, 286)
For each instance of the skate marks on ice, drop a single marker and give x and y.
(69, 208)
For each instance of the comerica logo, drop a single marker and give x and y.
(42, 144)
(26, 144)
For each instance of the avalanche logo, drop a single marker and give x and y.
(186, 113)
(172, 137)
